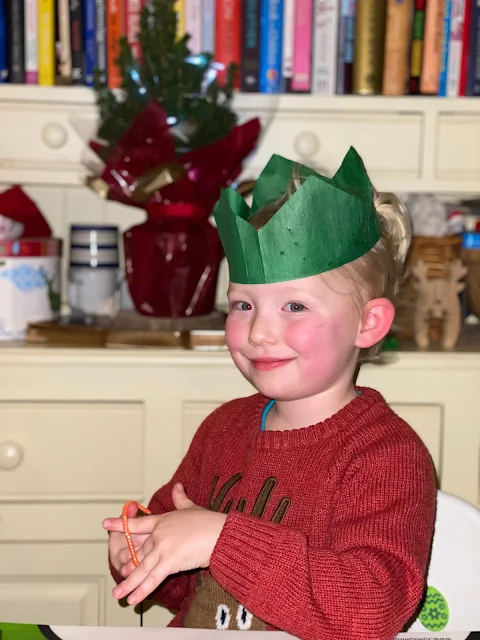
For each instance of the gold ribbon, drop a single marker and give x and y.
(156, 179)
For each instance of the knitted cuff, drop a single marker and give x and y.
(241, 553)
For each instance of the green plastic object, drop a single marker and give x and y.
(326, 223)
(435, 612)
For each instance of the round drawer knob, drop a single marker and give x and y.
(11, 455)
(54, 135)
(306, 144)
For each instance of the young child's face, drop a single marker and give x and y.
(293, 339)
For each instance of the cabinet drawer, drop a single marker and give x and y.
(71, 451)
(389, 143)
(43, 137)
(458, 146)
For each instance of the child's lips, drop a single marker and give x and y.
(267, 364)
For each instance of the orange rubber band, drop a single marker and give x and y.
(126, 530)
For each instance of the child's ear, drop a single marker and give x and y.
(375, 323)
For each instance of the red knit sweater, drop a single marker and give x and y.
(329, 527)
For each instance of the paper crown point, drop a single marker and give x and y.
(324, 224)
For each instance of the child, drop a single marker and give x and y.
(308, 507)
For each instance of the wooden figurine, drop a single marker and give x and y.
(438, 299)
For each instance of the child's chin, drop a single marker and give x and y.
(279, 392)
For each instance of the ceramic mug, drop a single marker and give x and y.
(94, 291)
(94, 283)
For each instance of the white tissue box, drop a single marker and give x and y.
(29, 284)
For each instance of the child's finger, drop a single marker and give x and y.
(113, 525)
(143, 525)
(127, 568)
(153, 578)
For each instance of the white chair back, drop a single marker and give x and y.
(453, 595)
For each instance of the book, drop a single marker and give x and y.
(369, 47)
(46, 42)
(271, 30)
(325, 47)
(250, 66)
(397, 47)
(302, 55)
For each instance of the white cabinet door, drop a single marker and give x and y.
(52, 584)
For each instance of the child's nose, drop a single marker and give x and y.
(262, 331)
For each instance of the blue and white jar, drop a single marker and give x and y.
(94, 276)
(29, 284)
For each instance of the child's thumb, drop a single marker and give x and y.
(180, 498)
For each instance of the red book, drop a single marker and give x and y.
(462, 91)
(114, 22)
(133, 9)
(228, 19)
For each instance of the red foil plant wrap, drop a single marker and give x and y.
(172, 259)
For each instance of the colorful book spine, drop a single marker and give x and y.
(302, 57)
(133, 9)
(432, 48)
(65, 48)
(46, 42)
(208, 26)
(455, 48)
(16, 42)
(228, 37)
(447, 12)
(288, 43)
(346, 44)
(416, 52)
(473, 76)
(3, 42)
(179, 6)
(31, 42)
(193, 25)
(397, 41)
(466, 52)
(369, 47)
(250, 46)
(101, 38)
(325, 47)
(76, 42)
(89, 40)
(271, 30)
(114, 33)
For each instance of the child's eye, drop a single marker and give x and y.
(295, 307)
(240, 306)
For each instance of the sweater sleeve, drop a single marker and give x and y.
(173, 591)
(369, 580)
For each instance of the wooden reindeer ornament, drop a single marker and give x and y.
(438, 299)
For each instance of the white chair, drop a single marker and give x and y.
(453, 596)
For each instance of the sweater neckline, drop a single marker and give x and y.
(352, 413)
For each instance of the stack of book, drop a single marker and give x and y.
(323, 47)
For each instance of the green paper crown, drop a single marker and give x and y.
(325, 224)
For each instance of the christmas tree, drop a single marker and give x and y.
(198, 108)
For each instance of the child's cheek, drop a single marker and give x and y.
(303, 335)
(235, 332)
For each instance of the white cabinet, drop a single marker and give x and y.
(91, 429)
(416, 144)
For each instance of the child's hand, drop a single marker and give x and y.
(176, 541)
(118, 550)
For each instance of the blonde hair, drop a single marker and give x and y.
(379, 272)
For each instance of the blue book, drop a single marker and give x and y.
(3, 42)
(271, 35)
(89, 39)
(442, 88)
